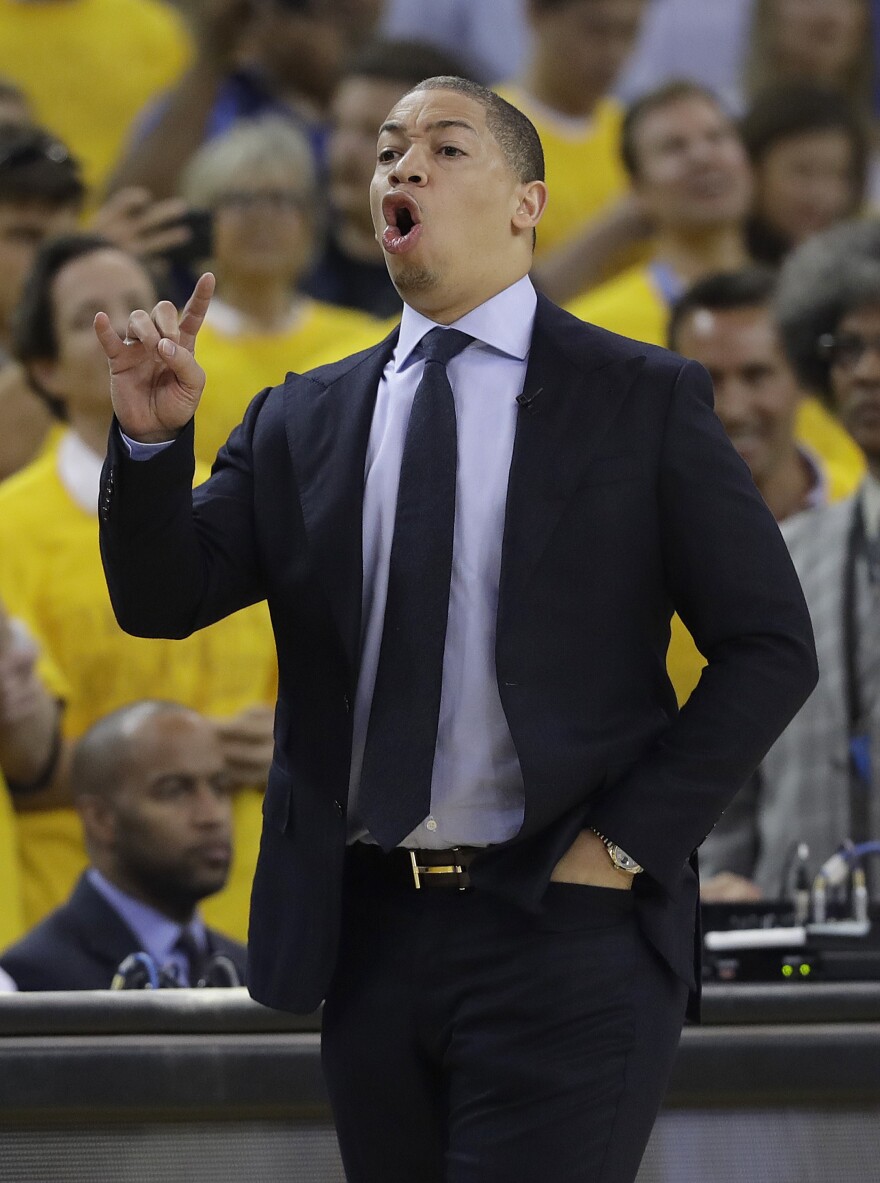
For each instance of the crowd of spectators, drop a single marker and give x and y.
(714, 173)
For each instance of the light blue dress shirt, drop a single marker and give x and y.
(477, 795)
(476, 788)
(157, 934)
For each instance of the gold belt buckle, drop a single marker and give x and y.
(418, 871)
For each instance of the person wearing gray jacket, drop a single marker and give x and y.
(818, 783)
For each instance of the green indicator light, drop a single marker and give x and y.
(787, 971)
(805, 971)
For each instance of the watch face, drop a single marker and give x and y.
(623, 861)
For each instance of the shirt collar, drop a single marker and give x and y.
(668, 283)
(80, 471)
(817, 494)
(503, 323)
(156, 933)
(227, 321)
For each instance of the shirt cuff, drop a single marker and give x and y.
(139, 451)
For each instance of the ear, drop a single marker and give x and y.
(98, 819)
(45, 375)
(532, 201)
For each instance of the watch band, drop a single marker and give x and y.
(621, 860)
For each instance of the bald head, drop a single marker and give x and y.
(110, 749)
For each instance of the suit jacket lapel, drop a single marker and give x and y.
(577, 388)
(572, 394)
(328, 429)
(102, 930)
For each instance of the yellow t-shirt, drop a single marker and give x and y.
(51, 577)
(12, 924)
(633, 305)
(239, 363)
(582, 161)
(12, 915)
(89, 66)
(630, 304)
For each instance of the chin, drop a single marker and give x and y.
(207, 885)
(412, 277)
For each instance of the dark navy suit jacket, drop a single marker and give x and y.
(625, 502)
(80, 945)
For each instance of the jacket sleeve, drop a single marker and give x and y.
(177, 559)
(733, 843)
(731, 580)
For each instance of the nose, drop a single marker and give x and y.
(732, 402)
(211, 808)
(701, 150)
(411, 168)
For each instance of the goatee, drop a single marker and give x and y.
(410, 277)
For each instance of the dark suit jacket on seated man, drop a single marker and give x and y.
(149, 783)
(521, 1025)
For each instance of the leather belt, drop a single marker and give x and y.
(415, 869)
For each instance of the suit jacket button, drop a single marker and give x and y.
(346, 702)
(337, 805)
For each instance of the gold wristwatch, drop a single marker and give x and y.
(618, 856)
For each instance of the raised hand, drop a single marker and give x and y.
(20, 687)
(727, 888)
(246, 739)
(155, 380)
(133, 221)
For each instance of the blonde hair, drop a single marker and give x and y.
(762, 65)
(251, 148)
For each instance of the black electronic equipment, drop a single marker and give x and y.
(760, 942)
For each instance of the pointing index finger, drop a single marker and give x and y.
(193, 315)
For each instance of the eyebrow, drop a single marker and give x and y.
(393, 125)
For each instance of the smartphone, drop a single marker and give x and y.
(200, 243)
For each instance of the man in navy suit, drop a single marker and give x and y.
(150, 785)
(483, 808)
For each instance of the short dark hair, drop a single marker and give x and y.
(828, 276)
(655, 100)
(34, 336)
(723, 291)
(35, 166)
(33, 323)
(792, 109)
(514, 132)
(406, 62)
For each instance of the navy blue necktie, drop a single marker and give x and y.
(395, 786)
(195, 955)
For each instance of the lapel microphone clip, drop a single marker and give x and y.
(527, 402)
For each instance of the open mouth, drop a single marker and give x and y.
(403, 223)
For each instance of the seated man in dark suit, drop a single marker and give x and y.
(150, 786)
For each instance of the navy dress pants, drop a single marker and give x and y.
(465, 1041)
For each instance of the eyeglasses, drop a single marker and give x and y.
(242, 201)
(29, 151)
(846, 350)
